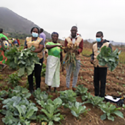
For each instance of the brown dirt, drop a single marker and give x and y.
(115, 86)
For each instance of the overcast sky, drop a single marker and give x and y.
(89, 15)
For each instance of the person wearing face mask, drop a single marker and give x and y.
(100, 72)
(38, 43)
(74, 38)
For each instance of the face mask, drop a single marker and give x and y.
(98, 39)
(34, 34)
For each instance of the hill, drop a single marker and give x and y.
(14, 23)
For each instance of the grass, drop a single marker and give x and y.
(86, 51)
(122, 57)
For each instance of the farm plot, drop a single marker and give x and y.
(90, 114)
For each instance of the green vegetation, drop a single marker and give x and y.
(77, 109)
(68, 96)
(19, 91)
(16, 35)
(43, 70)
(87, 52)
(109, 111)
(106, 57)
(24, 60)
(18, 111)
(13, 80)
(51, 111)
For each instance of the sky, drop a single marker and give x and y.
(90, 16)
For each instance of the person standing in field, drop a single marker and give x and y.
(74, 38)
(52, 78)
(100, 72)
(42, 35)
(38, 43)
(4, 44)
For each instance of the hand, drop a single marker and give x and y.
(60, 46)
(92, 61)
(76, 51)
(3, 38)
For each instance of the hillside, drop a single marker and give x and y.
(14, 23)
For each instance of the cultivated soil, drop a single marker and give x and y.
(115, 86)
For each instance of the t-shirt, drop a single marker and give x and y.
(42, 35)
(73, 40)
(54, 51)
(2, 35)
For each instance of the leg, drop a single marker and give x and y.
(38, 69)
(54, 89)
(68, 75)
(75, 73)
(96, 81)
(30, 80)
(103, 74)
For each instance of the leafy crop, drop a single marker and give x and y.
(95, 101)
(87, 96)
(13, 80)
(3, 94)
(50, 109)
(109, 111)
(77, 109)
(68, 96)
(25, 60)
(12, 57)
(19, 91)
(81, 90)
(40, 96)
(43, 70)
(18, 111)
(109, 58)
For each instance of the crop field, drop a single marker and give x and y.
(87, 109)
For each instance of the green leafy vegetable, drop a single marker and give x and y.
(68, 96)
(77, 109)
(3, 94)
(109, 111)
(43, 70)
(81, 90)
(12, 57)
(40, 96)
(95, 101)
(19, 91)
(18, 111)
(109, 58)
(25, 60)
(13, 80)
(50, 109)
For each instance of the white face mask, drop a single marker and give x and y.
(34, 34)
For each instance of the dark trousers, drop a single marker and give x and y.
(37, 71)
(100, 75)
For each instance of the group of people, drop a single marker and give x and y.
(55, 58)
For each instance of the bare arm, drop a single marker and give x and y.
(52, 46)
(38, 50)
